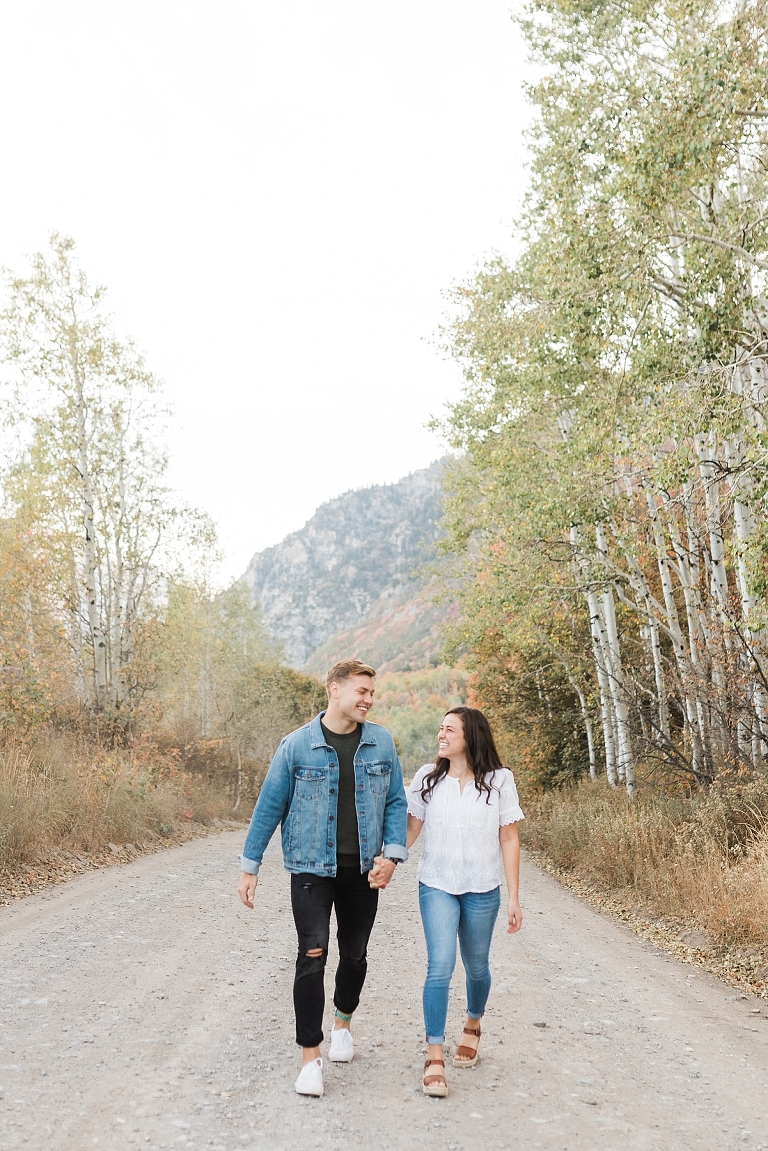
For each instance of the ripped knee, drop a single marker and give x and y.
(313, 960)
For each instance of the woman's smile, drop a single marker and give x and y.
(450, 738)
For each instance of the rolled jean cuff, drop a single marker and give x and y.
(249, 865)
(436, 1041)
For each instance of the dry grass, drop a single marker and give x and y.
(64, 791)
(700, 860)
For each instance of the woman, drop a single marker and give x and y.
(468, 803)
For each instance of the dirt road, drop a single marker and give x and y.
(144, 1006)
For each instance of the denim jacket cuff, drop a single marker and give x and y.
(395, 851)
(249, 865)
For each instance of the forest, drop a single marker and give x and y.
(608, 511)
(135, 693)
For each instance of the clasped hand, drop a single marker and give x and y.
(381, 872)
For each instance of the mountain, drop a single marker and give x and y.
(398, 633)
(345, 583)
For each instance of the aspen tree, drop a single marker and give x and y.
(91, 406)
(616, 377)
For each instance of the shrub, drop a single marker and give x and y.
(702, 857)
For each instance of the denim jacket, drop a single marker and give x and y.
(300, 792)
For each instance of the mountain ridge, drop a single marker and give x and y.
(352, 577)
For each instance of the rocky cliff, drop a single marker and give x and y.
(347, 578)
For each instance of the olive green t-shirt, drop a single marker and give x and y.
(347, 834)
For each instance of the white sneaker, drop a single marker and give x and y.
(342, 1049)
(310, 1081)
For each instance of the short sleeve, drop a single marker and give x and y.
(416, 805)
(510, 810)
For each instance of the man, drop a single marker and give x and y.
(336, 787)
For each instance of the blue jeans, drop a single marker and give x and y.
(472, 917)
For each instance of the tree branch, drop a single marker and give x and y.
(726, 247)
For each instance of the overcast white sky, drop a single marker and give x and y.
(277, 195)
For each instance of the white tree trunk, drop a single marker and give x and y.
(599, 647)
(744, 526)
(707, 451)
(90, 551)
(658, 675)
(625, 759)
(587, 726)
(607, 713)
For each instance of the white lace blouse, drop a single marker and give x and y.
(461, 831)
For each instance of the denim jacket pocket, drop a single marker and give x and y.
(310, 789)
(378, 775)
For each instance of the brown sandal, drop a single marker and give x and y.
(467, 1056)
(434, 1084)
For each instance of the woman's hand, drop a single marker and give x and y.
(514, 916)
(381, 872)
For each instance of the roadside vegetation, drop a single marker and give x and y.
(699, 859)
(412, 704)
(608, 501)
(135, 695)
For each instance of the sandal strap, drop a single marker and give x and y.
(428, 1080)
(472, 1031)
(465, 1052)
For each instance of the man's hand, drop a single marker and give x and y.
(246, 888)
(514, 917)
(381, 872)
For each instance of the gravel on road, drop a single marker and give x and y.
(144, 1006)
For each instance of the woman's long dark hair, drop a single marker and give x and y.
(482, 756)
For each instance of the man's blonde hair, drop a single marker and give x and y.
(345, 669)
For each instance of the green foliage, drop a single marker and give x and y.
(412, 706)
(222, 695)
(110, 623)
(624, 350)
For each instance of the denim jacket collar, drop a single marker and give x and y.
(317, 739)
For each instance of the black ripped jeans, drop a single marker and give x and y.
(312, 897)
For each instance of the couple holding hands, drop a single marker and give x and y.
(336, 787)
